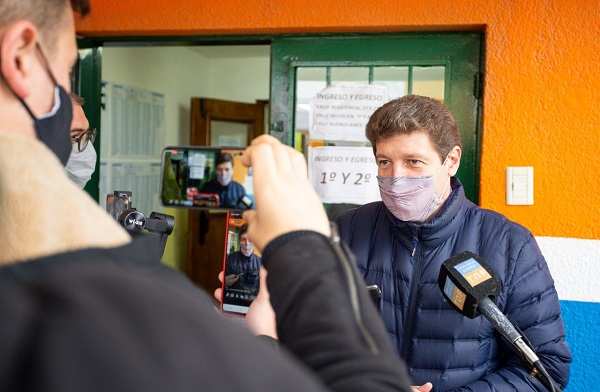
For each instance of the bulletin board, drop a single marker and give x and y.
(133, 136)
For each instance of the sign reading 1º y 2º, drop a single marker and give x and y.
(343, 174)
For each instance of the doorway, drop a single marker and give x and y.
(452, 60)
(217, 122)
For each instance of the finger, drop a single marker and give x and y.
(221, 276)
(218, 294)
(262, 139)
(263, 293)
(298, 163)
(250, 218)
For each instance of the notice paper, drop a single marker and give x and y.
(341, 111)
(343, 174)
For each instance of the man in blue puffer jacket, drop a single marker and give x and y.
(424, 218)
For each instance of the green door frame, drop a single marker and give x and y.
(88, 79)
(460, 52)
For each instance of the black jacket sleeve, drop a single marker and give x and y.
(89, 326)
(326, 317)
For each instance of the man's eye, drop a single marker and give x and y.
(383, 163)
(414, 162)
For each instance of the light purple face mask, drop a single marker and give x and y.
(411, 199)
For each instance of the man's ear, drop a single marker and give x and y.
(454, 160)
(18, 56)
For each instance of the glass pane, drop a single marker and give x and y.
(227, 133)
(349, 74)
(429, 81)
(309, 81)
(395, 78)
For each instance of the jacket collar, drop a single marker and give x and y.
(43, 212)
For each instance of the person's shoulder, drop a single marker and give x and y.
(496, 219)
(238, 186)
(369, 210)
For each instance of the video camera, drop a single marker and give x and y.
(118, 205)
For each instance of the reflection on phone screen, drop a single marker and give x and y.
(241, 267)
(206, 178)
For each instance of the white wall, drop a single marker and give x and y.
(234, 73)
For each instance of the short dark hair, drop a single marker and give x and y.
(415, 113)
(46, 15)
(224, 157)
(76, 99)
(243, 229)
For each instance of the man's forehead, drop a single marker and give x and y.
(415, 143)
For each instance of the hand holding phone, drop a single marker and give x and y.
(241, 266)
(260, 318)
(281, 181)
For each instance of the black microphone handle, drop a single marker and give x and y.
(491, 312)
(498, 319)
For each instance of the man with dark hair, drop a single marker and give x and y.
(223, 185)
(242, 267)
(84, 307)
(423, 219)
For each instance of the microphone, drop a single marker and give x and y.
(472, 287)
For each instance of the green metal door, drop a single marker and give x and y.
(446, 66)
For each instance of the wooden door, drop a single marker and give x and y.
(216, 122)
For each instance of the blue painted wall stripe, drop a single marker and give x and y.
(582, 322)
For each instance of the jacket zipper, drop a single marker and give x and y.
(352, 288)
(412, 298)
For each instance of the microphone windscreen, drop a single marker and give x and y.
(465, 279)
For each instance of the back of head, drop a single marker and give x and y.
(46, 15)
(414, 113)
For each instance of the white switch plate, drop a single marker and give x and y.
(519, 185)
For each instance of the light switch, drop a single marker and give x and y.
(519, 185)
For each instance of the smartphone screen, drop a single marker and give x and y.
(205, 178)
(241, 266)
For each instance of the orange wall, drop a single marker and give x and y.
(541, 102)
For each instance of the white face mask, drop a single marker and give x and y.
(224, 179)
(247, 249)
(81, 165)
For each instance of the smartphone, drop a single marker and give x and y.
(241, 266)
(205, 178)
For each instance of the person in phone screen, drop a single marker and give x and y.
(229, 191)
(242, 267)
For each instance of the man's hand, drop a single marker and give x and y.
(260, 318)
(423, 388)
(280, 180)
(231, 279)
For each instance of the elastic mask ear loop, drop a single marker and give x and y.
(47, 64)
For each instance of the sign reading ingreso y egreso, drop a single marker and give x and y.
(341, 111)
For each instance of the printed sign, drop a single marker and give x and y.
(340, 112)
(343, 174)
